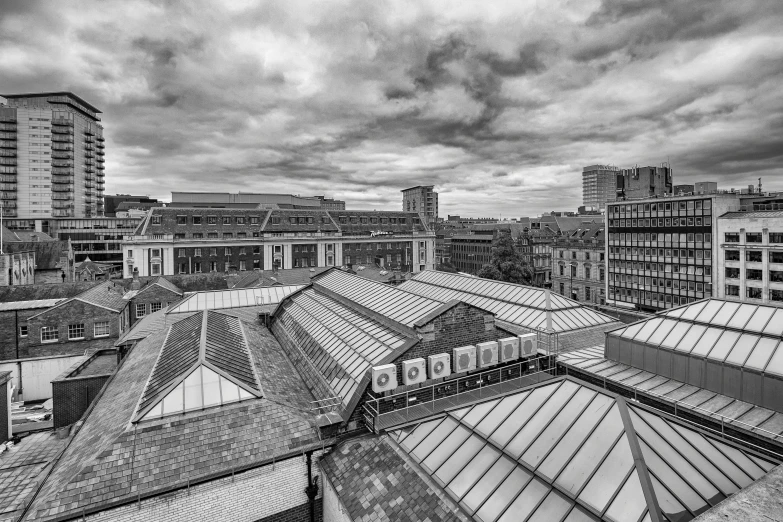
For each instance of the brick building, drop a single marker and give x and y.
(644, 182)
(424, 201)
(152, 297)
(470, 252)
(578, 265)
(91, 320)
(197, 240)
(74, 391)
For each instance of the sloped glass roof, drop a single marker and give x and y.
(234, 298)
(339, 342)
(521, 305)
(566, 451)
(204, 361)
(404, 307)
(742, 334)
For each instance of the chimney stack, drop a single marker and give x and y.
(136, 284)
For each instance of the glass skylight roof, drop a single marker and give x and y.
(521, 305)
(340, 343)
(741, 334)
(203, 362)
(561, 451)
(233, 298)
(390, 301)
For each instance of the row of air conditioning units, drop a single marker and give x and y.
(462, 359)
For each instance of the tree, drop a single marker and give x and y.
(446, 267)
(506, 264)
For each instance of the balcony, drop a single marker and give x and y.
(89, 132)
(8, 187)
(62, 138)
(62, 188)
(88, 154)
(62, 146)
(89, 170)
(100, 139)
(61, 155)
(7, 144)
(8, 127)
(99, 152)
(62, 197)
(61, 213)
(62, 180)
(65, 164)
(89, 148)
(7, 178)
(61, 205)
(62, 130)
(62, 171)
(8, 136)
(62, 121)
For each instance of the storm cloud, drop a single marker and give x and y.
(498, 104)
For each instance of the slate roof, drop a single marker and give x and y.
(162, 282)
(150, 324)
(291, 276)
(22, 467)
(43, 291)
(107, 295)
(28, 305)
(47, 253)
(375, 483)
(110, 461)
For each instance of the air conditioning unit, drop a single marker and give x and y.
(487, 354)
(464, 359)
(413, 371)
(439, 365)
(509, 349)
(384, 378)
(527, 345)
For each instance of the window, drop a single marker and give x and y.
(228, 235)
(23, 331)
(213, 266)
(212, 235)
(211, 220)
(562, 270)
(256, 249)
(256, 264)
(562, 289)
(776, 276)
(776, 295)
(242, 235)
(732, 255)
(275, 220)
(227, 251)
(213, 251)
(242, 251)
(155, 269)
(183, 268)
(130, 254)
(182, 220)
(242, 265)
(587, 256)
(732, 273)
(155, 252)
(155, 307)
(226, 220)
(732, 237)
(601, 274)
(776, 257)
(196, 220)
(101, 329)
(587, 293)
(752, 292)
(573, 255)
(587, 272)
(49, 334)
(141, 310)
(197, 252)
(76, 331)
(156, 220)
(180, 252)
(753, 256)
(776, 237)
(179, 236)
(562, 254)
(573, 271)
(197, 267)
(240, 220)
(753, 237)
(753, 274)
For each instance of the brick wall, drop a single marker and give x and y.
(149, 295)
(70, 313)
(72, 397)
(274, 493)
(9, 332)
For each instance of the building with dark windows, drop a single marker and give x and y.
(51, 156)
(111, 203)
(599, 185)
(644, 182)
(424, 201)
(661, 251)
(579, 265)
(470, 252)
(749, 264)
(183, 240)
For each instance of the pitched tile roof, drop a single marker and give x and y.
(109, 460)
(163, 283)
(43, 291)
(106, 295)
(375, 482)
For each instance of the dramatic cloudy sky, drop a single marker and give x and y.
(498, 104)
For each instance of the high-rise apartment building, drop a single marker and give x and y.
(599, 184)
(424, 201)
(52, 156)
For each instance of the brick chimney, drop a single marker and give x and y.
(136, 284)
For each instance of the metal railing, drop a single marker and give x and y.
(328, 405)
(413, 404)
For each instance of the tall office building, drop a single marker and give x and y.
(599, 184)
(51, 157)
(424, 200)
